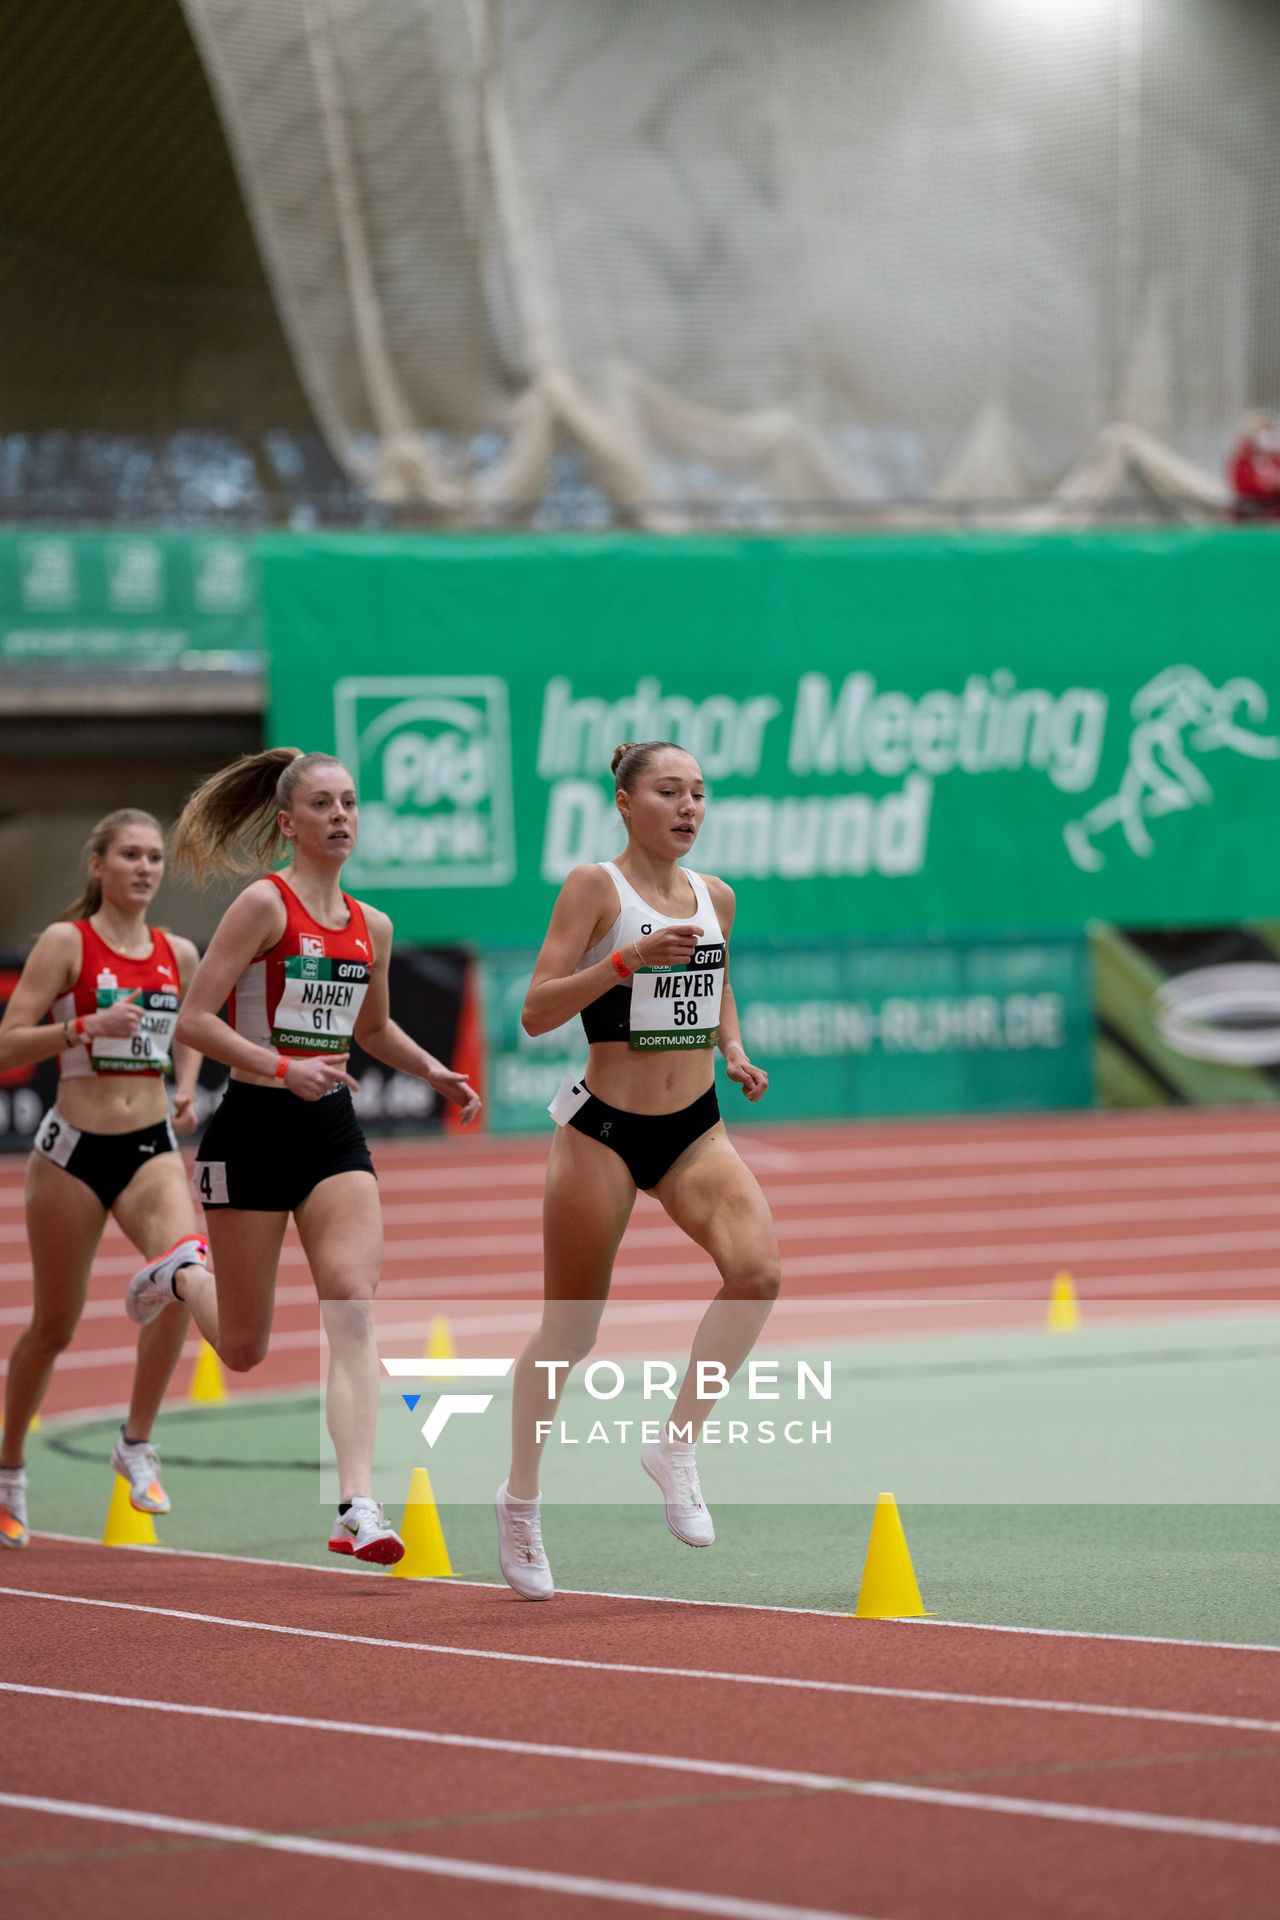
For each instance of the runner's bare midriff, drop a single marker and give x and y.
(648, 1082)
(113, 1103)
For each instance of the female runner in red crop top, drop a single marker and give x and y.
(302, 968)
(111, 986)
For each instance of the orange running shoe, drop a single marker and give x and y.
(138, 1462)
(13, 1507)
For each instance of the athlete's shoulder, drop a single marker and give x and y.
(61, 943)
(588, 881)
(260, 906)
(61, 936)
(54, 962)
(266, 890)
(185, 952)
(379, 924)
(722, 894)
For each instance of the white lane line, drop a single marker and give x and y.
(788, 1682)
(667, 1899)
(1053, 1254)
(477, 1317)
(926, 1695)
(654, 1599)
(918, 1300)
(784, 1194)
(486, 1873)
(844, 1227)
(1028, 1142)
(793, 1199)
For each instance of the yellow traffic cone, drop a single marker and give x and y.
(126, 1527)
(888, 1590)
(1063, 1315)
(440, 1340)
(207, 1384)
(426, 1557)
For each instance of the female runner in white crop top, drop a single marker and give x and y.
(639, 949)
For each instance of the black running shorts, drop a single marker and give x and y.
(649, 1143)
(265, 1150)
(106, 1162)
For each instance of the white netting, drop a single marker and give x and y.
(767, 258)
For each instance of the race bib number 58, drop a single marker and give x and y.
(678, 1006)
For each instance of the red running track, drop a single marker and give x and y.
(778, 1764)
(641, 1754)
(913, 1227)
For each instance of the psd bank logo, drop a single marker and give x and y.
(448, 1403)
(431, 755)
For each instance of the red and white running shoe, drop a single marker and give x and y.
(363, 1531)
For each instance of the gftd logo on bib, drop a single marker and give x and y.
(431, 755)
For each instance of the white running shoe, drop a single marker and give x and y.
(13, 1507)
(521, 1554)
(676, 1472)
(363, 1531)
(138, 1462)
(151, 1289)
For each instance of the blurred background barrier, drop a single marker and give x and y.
(136, 598)
(852, 1029)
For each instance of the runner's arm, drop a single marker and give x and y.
(587, 906)
(186, 1061)
(51, 968)
(754, 1081)
(384, 1040)
(250, 926)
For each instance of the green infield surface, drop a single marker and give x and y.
(1123, 1479)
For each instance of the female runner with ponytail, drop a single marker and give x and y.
(302, 968)
(111, 986)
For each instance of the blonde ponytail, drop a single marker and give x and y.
(229, 824)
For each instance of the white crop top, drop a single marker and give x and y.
(659, 1007)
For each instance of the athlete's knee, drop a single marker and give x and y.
(760, 1279)
(566, 1344)
(348, 1289)
(51, 1335)
(241, 1353)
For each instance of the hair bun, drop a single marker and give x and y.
(620, 753)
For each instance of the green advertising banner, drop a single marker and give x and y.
(900, 735)
(894, 1028)
(83, 599)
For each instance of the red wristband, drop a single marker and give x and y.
(282, 1066)
(80, 1024)
(620, 966)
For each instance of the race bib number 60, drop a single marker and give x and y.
(147, 1050)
